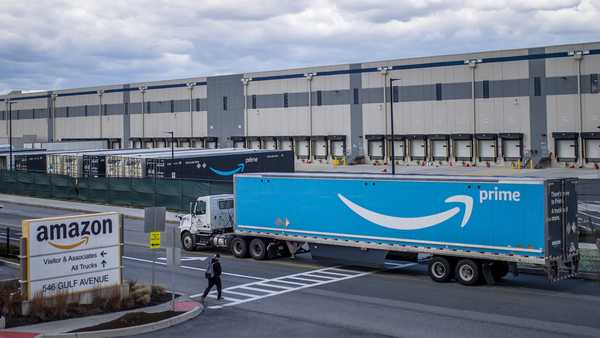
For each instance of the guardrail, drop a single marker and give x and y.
(10, 240)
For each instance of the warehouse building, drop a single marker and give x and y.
(487, 108)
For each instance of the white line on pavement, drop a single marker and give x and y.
(192, 268)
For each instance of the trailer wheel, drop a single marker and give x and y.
(499, 270)
(239, 247)
(440, 269)
(258, 249)
(468, 272)
(187, 241)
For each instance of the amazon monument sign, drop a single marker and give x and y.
(72, 253)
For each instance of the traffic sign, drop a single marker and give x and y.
(72, 253)
(154, 240)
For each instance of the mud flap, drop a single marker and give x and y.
(486, 270)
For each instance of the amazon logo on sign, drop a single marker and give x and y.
(75, 234)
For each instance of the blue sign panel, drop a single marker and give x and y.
(476, 216)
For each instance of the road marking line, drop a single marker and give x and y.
(316, 275)
(293, 283)
(275, 286)
(307, 279)
(254, 289)
(192, 268)
(346, 270)
(331, 273)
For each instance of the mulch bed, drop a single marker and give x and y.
(131, 319)
(84, 311)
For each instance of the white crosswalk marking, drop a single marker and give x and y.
(269, 288)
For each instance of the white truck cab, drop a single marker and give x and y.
(209, 215)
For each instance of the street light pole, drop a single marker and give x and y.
(393, 150)
(10, 150)
(172, 145)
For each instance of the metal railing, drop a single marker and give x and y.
(10, 240)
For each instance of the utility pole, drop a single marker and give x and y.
(100, 93)
(473, 64)
(393, 150)
(142, 90)
(384, 70)
(578, 56)
(309, 78)
(191, 85)
(246, 82)
(10, 141)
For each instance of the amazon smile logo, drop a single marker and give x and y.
(69, 236)
(413, 223)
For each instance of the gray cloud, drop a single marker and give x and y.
(58, 44)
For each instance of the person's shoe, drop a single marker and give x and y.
(220, 299)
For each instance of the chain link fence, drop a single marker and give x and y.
(175, 194)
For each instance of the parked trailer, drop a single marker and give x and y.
(94, 164)
(221, 164)
(134, 165)
(473, 228)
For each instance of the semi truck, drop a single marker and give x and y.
(471, 229)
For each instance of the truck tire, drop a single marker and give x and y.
(258, 249)
(239, 247)
(468, 272)
(187, 241)
(440, 269)
(499, 270)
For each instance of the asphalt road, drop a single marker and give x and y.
(300, 298)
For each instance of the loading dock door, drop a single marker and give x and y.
(375, 149)
(211, 144)
(592, 147)
(464, 150)
(254, 144)
(302, 150)
(239, 144)
(270, 144)
(321, 148)
(286, 145)
(185, 144)
(439, 150)
(399, 149)
(337, 148)
(418, 149)
(148, 144)
(511, 149)
(198, 144)
(566, 150)
(487, 150)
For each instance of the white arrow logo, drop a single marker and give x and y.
(413, 223)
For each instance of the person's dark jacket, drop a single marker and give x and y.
(216, 269)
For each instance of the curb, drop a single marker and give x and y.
(134, 330)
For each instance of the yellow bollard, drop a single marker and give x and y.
(530, 164)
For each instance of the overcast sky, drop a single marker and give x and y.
(64, 44)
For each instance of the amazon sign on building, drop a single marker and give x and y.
(72, 253)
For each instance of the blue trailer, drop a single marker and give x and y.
(472, 228)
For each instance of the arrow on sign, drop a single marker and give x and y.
(103, 263)
(103, 253)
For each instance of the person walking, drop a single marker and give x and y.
(213, 274)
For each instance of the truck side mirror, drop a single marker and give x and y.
(191, 208)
